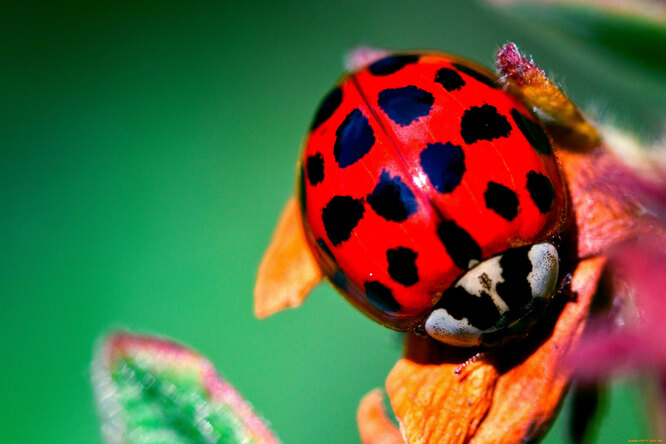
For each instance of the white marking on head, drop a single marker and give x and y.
(545, 267)
(484, 279)
(445, 328)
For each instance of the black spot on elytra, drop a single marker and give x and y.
(449, 79)
(402, 265)
(476, 75)
(541, 191)
(405, 105)
(315, 168)
(392, 199)
(391, 64)
(459, 244)
(354, 138)
(480, 311)
(340, 217)
(532, 132)
(444, 164)
(502, 200)
(327, 107)
(381, 297)
(515, 289)
(483, 123)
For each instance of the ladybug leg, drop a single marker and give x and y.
(565, 288)
(420, 331)
(471, 360)
(288, 270)
(564, 121)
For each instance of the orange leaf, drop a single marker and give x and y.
(288, 270)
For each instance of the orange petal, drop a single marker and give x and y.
(604, 213)
(508, 395)
(566, 124)
(373, 425)
(288, 270)
(527, 396)
(434, 404)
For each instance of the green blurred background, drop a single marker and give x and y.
(147, 150)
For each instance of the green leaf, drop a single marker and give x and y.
(151, 390)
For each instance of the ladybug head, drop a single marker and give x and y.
(500, 295)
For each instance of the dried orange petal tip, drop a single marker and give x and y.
(562, 118)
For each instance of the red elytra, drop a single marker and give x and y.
(416, 168)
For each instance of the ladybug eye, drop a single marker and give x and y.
(505, 292)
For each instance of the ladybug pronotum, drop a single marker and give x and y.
(430, 197)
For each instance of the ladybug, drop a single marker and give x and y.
(431, 199)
